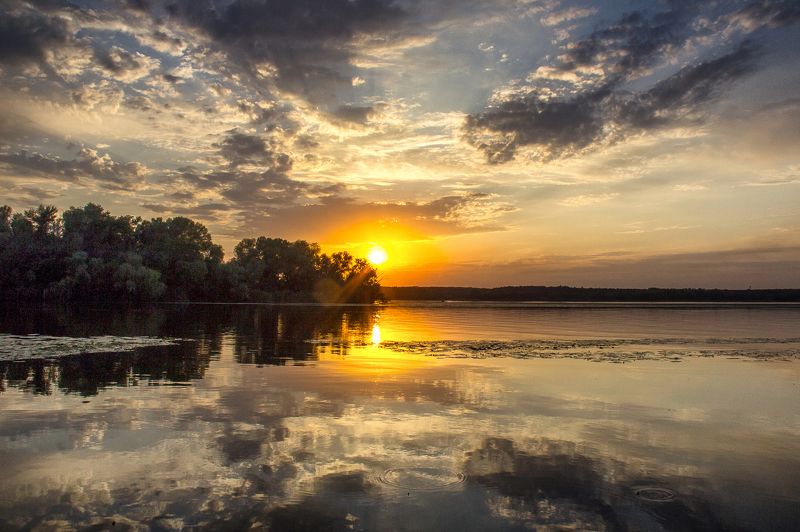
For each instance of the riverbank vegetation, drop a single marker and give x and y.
(88, 254)
(569, 293)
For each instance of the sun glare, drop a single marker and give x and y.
(377, 256)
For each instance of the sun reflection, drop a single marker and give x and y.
(376, 334)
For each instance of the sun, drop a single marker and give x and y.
(377, 255)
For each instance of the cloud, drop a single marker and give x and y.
(25, 194)
(585, 200)
(573, 13)
(162, 41)
(104, 95)
(338, 220)
(265, 189)
(307, 41)
(615, 82)
(90, 164)
(563, 120)
(689, 187)
(770, 13)
(28, 37)
(137, 5)
(354, 114)
(241, 148)
(124, 65)
(558, 127)
(683, 93)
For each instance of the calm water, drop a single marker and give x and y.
(424, 417)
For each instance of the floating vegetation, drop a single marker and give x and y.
(32, 346)
(617, 350)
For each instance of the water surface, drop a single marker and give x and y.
(420, 417)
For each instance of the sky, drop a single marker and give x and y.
(480, 143)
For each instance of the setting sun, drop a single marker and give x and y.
(377, 255)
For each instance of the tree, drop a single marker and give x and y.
(5, 219)
(32, 255)
(182, 250)
(21, 225)
(90, 255)
(44, 221)
(279, 267)
(98, 233)
(136, 282)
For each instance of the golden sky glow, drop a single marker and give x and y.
(499, 142)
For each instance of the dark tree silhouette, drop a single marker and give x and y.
(90, 255)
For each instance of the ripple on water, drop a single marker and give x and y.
(655, 494)
(421, 478)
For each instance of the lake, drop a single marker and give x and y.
(423, 416)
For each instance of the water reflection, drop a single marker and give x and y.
(376, 334)
(87, 374)
(275, 335)
(270, 335)
(297, 418)
(557, 485)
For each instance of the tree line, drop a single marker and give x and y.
(570, 293)
(87, 254)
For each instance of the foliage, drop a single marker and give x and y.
(90, 255)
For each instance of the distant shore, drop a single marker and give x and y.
(568, 293)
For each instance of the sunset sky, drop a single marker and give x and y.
(483, 142)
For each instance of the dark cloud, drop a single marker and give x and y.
(171, 78)
(136, 101)
(683, 93)
(275, 115)
(308, 41)
(256, 191)
(772, 13)
(26, 37)
(89, 164)
(593, 100)
(164, 39)
(116, 60)
(137, 5)
(305, 141)
(180, 195)
(240, 148)
(261, 189)
(562, 127)
(633, 43)
(354, 114)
